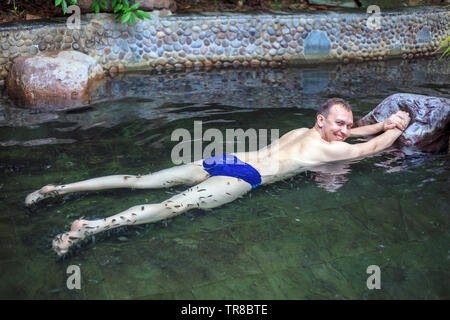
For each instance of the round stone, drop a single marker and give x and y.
(317, 44)
(33, 50)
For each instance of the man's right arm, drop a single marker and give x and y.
(337, 150)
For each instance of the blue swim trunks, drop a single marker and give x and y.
(231, 166)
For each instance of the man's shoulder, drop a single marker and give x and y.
(298, 131)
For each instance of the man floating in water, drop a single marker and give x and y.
(221, 179)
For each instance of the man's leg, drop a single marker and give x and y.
(187, 174)
(211, 193)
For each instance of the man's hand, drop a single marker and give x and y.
(399, 120)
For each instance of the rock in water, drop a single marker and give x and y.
(429, 129)
(53, 80)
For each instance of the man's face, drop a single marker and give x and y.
(336, 127)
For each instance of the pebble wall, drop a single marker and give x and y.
(232, 39)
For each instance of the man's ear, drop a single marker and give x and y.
(320, 120)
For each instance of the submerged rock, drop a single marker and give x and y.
(54, 80)
(429, 130)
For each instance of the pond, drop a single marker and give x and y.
(312, 236)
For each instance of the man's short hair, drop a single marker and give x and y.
(324, 109)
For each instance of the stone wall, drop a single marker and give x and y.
(180, 41)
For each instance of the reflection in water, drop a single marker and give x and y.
(180, 95)
(35, 142)
(332, 176)
(389, 164)
(330, 182)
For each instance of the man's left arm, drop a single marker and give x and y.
(397, 120)
(368, 130)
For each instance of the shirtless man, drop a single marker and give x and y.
(223, 178)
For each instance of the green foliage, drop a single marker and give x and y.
(126, 10)
(15, 9)
(445, 42)
(276, 5)
(447, 51)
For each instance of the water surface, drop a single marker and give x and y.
(309, 237)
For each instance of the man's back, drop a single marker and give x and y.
(284, 157)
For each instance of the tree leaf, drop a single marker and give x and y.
(126, 17)
(135, 6)
(131, 21)
(64, 6)
(143, 14)
(442, 44)
(446, 52)
(117, 8)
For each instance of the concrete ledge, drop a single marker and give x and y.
(224, 39)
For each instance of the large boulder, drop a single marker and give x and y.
(53, 80)
(146, 5)
(429, 130)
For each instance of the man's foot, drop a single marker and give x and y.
(43, 193)
(62, 242)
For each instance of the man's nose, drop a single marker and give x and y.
(345, 130)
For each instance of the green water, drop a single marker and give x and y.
(291, 240)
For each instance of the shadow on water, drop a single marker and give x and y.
(311, 236)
